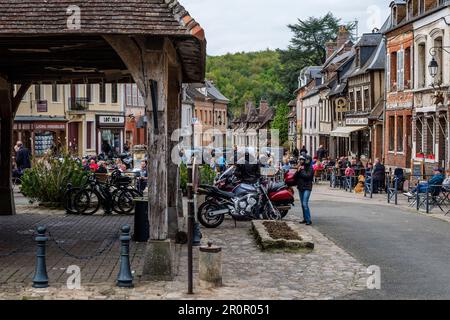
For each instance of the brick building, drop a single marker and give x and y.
(399, 89)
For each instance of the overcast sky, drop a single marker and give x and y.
(252, 25)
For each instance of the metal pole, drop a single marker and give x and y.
(396, 191)
(191, 215)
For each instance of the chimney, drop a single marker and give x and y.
(330, 47)
(263, 106)
(248, 105)
(343, 36)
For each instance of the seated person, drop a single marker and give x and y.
(93, 166)
(102, 167)
(349, 172)
(434, 185)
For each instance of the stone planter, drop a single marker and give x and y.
(266, 241)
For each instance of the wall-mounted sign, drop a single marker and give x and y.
(341, 105)
(115, 121)
(41, 106)
(357, 121)
(50, 126)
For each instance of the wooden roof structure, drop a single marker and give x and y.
(37, 44)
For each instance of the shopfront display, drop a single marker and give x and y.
(110, 134)
(40, 136)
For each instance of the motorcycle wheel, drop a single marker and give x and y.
(209, 222)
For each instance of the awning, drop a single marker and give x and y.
(345, 131)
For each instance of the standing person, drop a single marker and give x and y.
(23, 158)
(304, 177)
(321, 153)
(142, 177)
(303, 151)
(378, 175)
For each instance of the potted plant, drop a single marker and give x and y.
(420, 155)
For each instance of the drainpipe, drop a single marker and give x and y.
(386, 86)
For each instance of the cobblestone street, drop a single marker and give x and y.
(326, 273)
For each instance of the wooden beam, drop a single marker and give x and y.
(19, 96)
(7, 206)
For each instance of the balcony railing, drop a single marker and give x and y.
(78, 104)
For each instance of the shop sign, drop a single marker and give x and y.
(357, 121)
(341, 105)
(111, 120)
(41, 106)
(50, 126)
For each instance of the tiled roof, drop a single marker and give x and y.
(156, 17)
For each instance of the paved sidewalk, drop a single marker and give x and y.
(326, 273)
(323, 192)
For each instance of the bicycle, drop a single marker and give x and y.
(115, 195)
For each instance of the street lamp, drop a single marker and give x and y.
(433, 67)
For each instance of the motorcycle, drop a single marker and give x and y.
(280, 194)
(246, 202)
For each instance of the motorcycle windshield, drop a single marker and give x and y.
(228, 173)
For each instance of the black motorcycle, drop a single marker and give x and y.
(245, 203)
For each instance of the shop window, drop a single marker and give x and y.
(407, 68)
(400, 70)
(358, 100)
(102, 93)
(114, 93)
(400, 134)
(422, 65)
(55, 92)
(38, 92)
(352, 100)
(419, 135)
(89, 134)
(367, 99)
(391, 133)
(438, 57)
(430, 136)
(89, 92)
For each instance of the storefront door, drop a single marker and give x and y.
(73, 138)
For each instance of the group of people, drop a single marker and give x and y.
(94, 165)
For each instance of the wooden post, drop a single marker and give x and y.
(148, 61)
(173, 123)
(7, 206)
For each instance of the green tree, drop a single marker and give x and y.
(247, 76)
(307, 46)
(281, 122)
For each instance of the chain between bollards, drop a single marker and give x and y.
(125, 277)
(40, 279)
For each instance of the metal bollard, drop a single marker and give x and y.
(210, 266)
(40, 279)
(125, 278)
